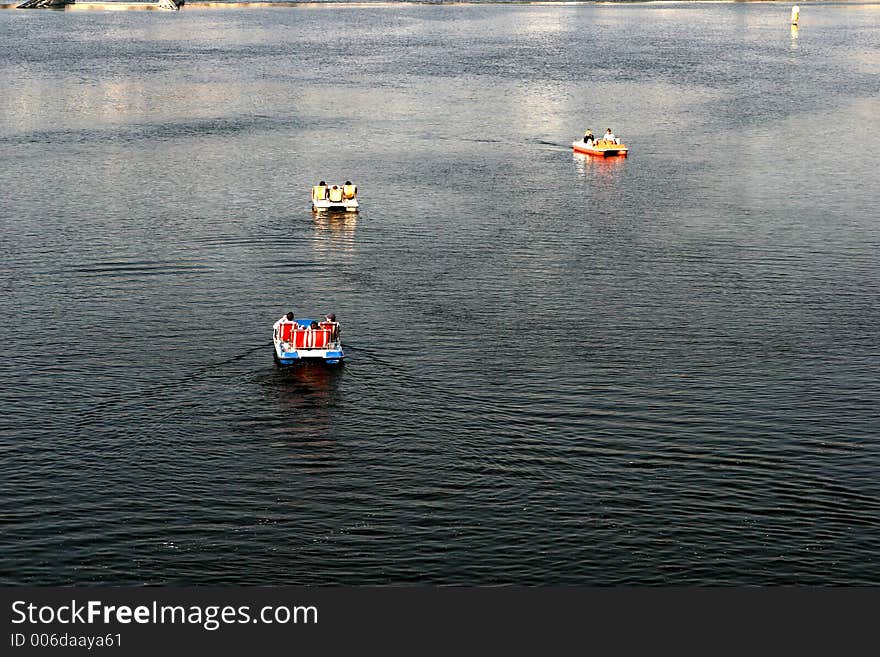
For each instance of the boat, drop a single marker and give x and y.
(304, 339)
(601, 147)
(336, 197)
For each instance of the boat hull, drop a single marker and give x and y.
(600, 151)
(324, 205)
(329, 356)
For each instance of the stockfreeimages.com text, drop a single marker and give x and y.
(211, 617)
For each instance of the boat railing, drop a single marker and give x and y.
(305, 338)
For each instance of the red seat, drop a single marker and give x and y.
(285, 330)
(312, 338)
(320, 338)
(302, 338)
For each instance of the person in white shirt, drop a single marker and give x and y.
(609, 136)
(286, 318)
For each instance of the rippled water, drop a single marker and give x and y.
(658, 370)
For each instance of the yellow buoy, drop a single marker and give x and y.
(795, 15)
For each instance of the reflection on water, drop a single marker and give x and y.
(334, 233)
(602, 172)
(307, 394)
(339, 225)
(794, 36)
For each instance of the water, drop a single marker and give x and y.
(658, 370)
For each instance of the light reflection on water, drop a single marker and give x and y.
(600, 171)
(340, 227)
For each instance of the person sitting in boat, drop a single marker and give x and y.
(589, 138)
(335, 194)
(609, 136)
(331, 324)
(319, 191)
(349, 191)
(310, 333)
(286, 318)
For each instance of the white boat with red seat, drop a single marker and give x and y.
(302, 339)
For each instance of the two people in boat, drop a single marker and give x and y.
(590, 139)
(334, 193)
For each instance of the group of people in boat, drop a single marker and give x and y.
(609, 136)
(329, 323)
(335, 193)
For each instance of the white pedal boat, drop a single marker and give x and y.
(306, 339)
(334, 197)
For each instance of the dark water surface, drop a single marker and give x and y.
(659, 370)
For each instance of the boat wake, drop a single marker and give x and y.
(553, 143)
